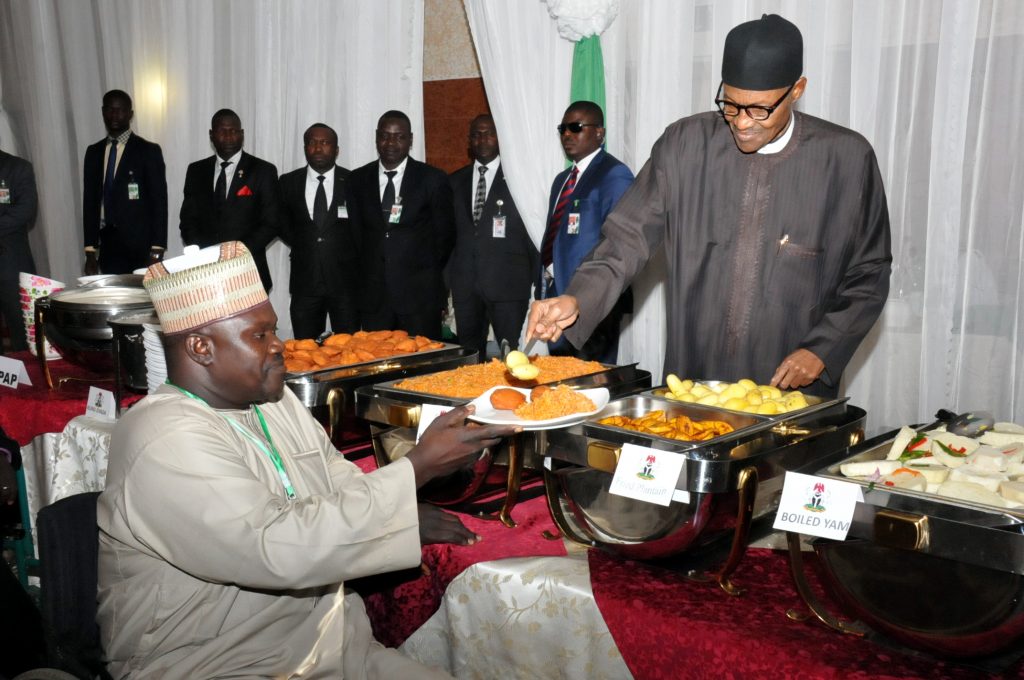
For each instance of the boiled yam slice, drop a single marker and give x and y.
(988, 458)
(1012, 491)
(989, 480)
(866, 468)
(1001, 438)
(970, 492)
(903, 437)
(933, 474)
(905, 478)
(952, 450)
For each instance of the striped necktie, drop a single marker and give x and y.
(481, 195)
(548, 245)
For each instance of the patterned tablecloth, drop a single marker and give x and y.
(58, 465)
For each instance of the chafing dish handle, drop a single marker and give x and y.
(335, 406)
(747, 487)
(603, 457)
(796, 567)
(41, 343)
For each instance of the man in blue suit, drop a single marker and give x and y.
(581, 197)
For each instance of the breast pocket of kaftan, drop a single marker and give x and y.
(796, 276)
(311, 475)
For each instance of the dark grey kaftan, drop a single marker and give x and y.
(767, 253)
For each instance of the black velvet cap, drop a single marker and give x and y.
(764, 54)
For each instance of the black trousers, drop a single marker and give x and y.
(474, 314)
(309, 315)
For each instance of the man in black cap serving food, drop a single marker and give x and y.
(776, 228)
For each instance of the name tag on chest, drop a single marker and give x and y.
(498, 227)
(573, 227)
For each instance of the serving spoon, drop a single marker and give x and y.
(968, 424)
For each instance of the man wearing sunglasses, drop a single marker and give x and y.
(581, 198)
(774, 223)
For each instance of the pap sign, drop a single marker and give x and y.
(13, 373)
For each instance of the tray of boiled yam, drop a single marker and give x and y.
(934, 556)
(987, 470)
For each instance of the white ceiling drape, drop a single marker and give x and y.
(936, 89)
(280, 65)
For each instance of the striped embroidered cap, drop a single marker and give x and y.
(202, 287)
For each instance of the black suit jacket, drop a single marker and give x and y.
(250, 214)
(324, 258)
(498, 269)
(16, 217)
(402, 263)
(133, 225)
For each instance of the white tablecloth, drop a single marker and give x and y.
(58, 465)
(528, 618)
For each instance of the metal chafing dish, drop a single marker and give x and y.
(730, 480)
(329, 393)
(74, 320)
(395, 414)
(935, 573)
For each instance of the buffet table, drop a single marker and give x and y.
(29, 411)
(518, 605)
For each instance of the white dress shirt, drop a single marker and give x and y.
(312, 183)
(382, 179)
(229, 172)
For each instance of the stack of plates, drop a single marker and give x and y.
(156, 365)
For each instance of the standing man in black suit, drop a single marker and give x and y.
(231, 196)
(494, 260)
(124, 197)
(402, 209)
(324, 250)
(18, 203)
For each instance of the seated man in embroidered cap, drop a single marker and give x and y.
(775, 226)
(229, 522)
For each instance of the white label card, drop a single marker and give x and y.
(648, 475)
(817, 506)
(13, 373)
(100, 404)
(396, 214)
(428, 414)
(343, 211)
(133, 191)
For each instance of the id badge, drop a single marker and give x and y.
(133, 191)
(498, 226)
(396, 214)
(343, 211)
(574, 224)
(5, 194)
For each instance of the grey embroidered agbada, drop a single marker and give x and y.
(767, 253)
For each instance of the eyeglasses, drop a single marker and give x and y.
(574, 127)
(730, 109)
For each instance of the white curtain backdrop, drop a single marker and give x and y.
(934, 86)
(280, 65)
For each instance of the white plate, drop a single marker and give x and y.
(485, 413)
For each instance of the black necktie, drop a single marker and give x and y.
(320, 203)
(221, 190)
(108, 182)
(481, 195)
(388, 199)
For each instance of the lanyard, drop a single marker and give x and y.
(271, 453)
